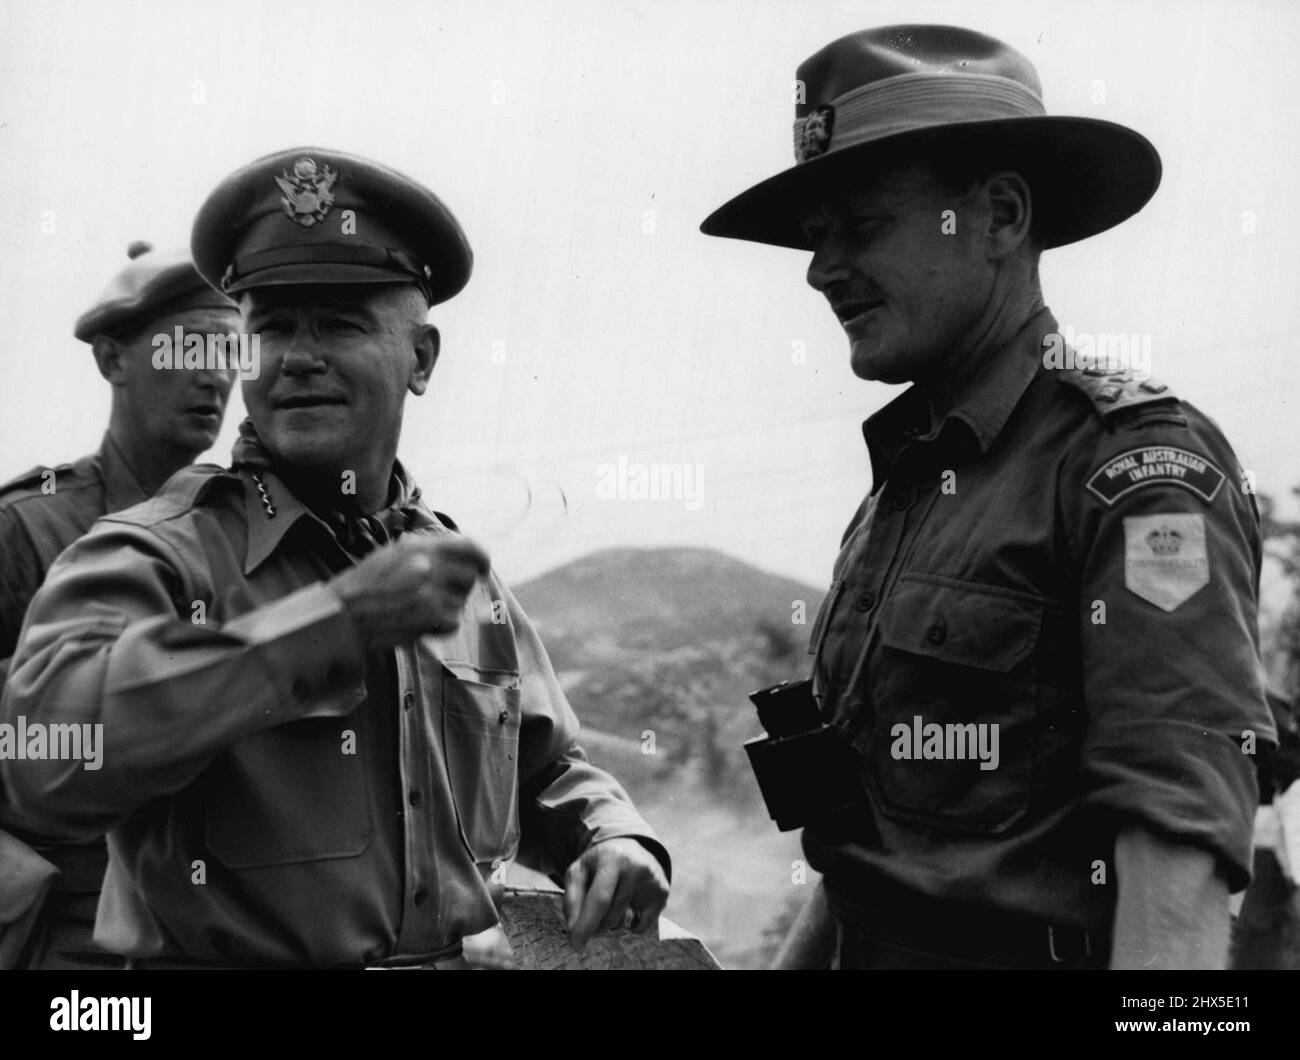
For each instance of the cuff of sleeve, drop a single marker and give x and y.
(1181, 780)
(311, 647)
(649, 842)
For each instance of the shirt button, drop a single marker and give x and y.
(865, 602)
(413, 798)
(503, 717)
(419, 896)
(937, 633)
(408, 700)
(899, 502)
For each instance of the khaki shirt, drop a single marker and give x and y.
(274, 796)
(1069, 556)
(41, 513)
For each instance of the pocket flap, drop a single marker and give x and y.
(966, 623)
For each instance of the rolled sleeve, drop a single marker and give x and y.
(106, 645)
(1173, 683)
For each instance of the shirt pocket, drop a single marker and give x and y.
(480, 738)
(954, 690)
(823, 618)
(286, 795)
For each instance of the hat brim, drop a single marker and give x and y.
(1085, 175)
(314, 273)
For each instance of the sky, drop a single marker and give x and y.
(581, 144)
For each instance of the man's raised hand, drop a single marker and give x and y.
(415, 586)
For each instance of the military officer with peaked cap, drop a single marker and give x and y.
(1055, 558)
(159, 421)
(329, 764)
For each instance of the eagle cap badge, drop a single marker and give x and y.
(308, 193)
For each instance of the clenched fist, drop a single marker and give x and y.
(415, 586)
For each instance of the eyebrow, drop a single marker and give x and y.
(356, 309)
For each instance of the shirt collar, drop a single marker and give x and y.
(983, 406)
(271, 508)
(121, 488)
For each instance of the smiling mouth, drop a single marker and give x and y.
(308, 402)
(852, 312)
(204, 410)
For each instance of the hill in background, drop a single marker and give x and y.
(658, 650)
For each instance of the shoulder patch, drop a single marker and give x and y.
(1155, 465)
(1111, 392)
(1165, 559)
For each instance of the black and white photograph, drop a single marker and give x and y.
(753, 486)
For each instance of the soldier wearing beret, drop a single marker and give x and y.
(159, 422)
(1040, 638)
(328, 725)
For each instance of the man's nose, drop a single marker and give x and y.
(829, 263)
(215, 378)
(301, 355)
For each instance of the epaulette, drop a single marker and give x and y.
(186, 489)
(32, 479)
(1124, 396)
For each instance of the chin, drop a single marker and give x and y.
(193, 442)
(308, 450)
(873, 367)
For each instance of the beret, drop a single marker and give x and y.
(311, 215)
(155, 282)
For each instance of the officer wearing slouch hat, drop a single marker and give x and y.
(335, 764)
(159, 422)
(1053, 552)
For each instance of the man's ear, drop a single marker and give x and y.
(426, 344)
(1010, 213)
(108, 357)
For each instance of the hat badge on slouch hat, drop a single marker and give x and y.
(899, 94)
(307, 197)
(812, 136)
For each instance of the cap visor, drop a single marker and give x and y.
(318, 273)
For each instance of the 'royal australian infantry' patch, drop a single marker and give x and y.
(1155, 465)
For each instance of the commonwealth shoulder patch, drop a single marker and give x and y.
(1155, 465)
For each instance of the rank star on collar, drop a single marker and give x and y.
(307, 194)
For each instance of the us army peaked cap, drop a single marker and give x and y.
(310, 215)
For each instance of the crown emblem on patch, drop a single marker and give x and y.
(307, 193)
(1164, 541)
(813, 133)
